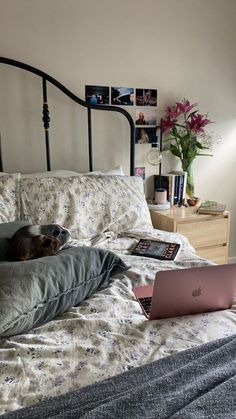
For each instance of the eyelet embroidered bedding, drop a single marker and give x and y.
(106, 334)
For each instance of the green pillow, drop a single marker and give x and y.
(35, 291)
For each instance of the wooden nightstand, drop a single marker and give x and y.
(208, 234)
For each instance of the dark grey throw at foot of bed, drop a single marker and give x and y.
(198, 383)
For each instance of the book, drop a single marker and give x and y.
(211, 207)
(176, 189)
(156, 249)
(182, 181)
(181, 189)
(171, 188)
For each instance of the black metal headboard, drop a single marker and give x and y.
(46, 119)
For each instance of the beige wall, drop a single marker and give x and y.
(184, 48)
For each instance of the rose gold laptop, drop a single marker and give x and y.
(181, 292)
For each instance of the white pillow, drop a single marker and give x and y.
(53, 173)
(9, 198)
(117, 171)
(68, 173)
(56, 173)
(87, 205)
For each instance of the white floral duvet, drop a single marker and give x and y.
(106, 335)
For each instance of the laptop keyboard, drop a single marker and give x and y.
(146, 303)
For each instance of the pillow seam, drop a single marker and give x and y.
(58, 296)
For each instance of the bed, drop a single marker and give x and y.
(105, 336)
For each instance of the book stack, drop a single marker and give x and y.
(174, 183)
(211, 207)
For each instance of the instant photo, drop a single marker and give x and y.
(97, 95)
(146, 97)
(145, 135)
(123, 96)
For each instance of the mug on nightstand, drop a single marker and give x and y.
(160, 196)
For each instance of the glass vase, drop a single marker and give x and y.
(190, 181)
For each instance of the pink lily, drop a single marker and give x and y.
(197, 122)
(185, 106)
(167, 124)
(172, 111)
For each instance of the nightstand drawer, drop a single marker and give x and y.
(216, 254)
(205, 233)
(208, 234)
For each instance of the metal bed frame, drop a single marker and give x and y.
(46, 78)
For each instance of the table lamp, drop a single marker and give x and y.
(154, 157)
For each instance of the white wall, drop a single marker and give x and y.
(184, 48)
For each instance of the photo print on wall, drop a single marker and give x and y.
(145, 135)
(97, 95)
(140, 171)
(146, 97)
(146, 116)
(143, 109)
(122, 96)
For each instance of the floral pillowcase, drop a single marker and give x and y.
(9, 198)
(87, 205)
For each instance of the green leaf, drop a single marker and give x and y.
(209, 155)
(180, 125)
(192, 113)
(187, 136)
(199, 145)
(174, 131)
(185, 141)
(174, 150)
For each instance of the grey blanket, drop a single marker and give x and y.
(198, 383)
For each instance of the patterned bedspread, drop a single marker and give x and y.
(107, 334)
